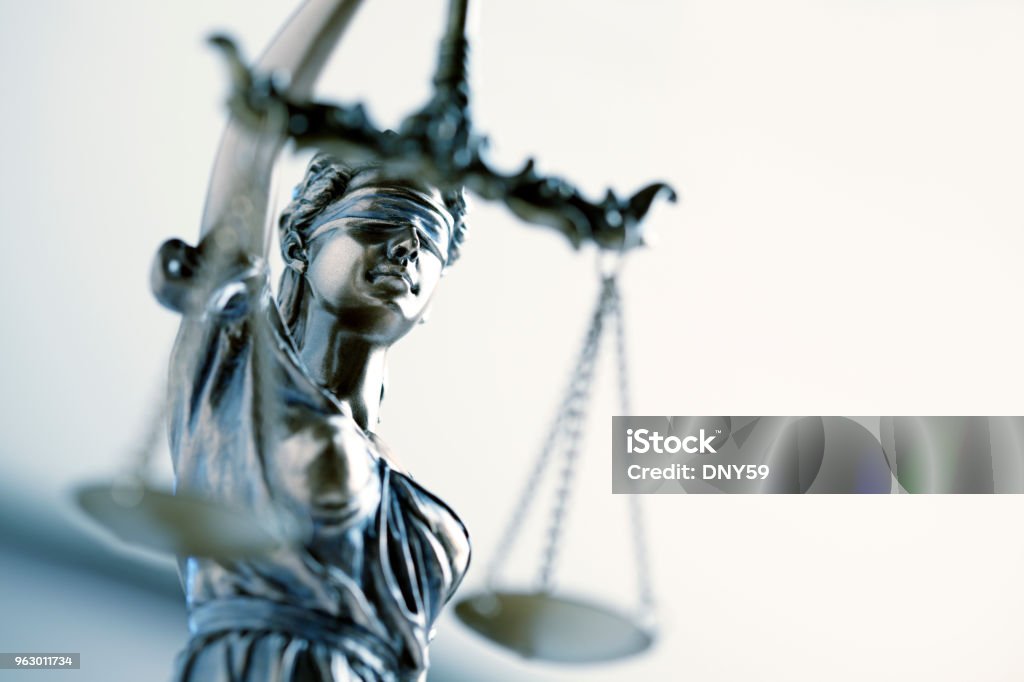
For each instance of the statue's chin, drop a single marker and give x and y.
(382, 324)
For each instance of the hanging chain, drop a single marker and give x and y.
(574, 420)
(144, 452)
(567, 428)
(129, 486)
(636, 511)
(576, 388)
(515, 524)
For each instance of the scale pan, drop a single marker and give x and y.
(539, 625)
(184, 525)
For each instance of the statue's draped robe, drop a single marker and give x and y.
(358, 599)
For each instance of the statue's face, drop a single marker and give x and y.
(375, 257)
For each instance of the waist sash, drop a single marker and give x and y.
(243, 613)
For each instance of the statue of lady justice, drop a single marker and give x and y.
(273, 404)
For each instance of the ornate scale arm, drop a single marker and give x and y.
(438, 143)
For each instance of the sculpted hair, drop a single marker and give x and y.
(326, 180)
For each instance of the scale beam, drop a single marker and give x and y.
(439, 144)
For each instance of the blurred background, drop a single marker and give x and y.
(848, 242)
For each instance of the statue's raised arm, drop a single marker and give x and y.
(296, 55)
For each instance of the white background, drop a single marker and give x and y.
(848, 243)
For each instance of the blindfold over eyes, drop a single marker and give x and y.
(396, 206)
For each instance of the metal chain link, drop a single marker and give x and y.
(511, 533)
(574, 387)
(574, 434)
(144, 452)
(645, 589)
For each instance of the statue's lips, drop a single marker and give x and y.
(392, 278)
(332, 504)
(330, 513)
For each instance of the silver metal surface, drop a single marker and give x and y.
(543, 626)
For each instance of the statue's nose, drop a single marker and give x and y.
(404, 248)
